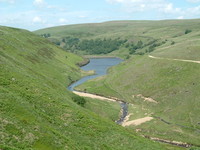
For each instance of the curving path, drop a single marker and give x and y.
(137, 122)
(93, 96)
(124, 119)
(124, 105)
(184, 60)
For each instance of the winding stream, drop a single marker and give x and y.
(101, 66)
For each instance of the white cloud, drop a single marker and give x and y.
(178, 13)
(169, 8)
(8, 1)
(142, 5)
(193, 1)
(136, 1)
(82, 16)
(43, 5)
(180, 17)
(39, 3)
(163, 8)
(38, 19)
(63, 21)
(194, 10)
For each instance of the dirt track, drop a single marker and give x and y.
(93, 96)
(137, 121)
(184, 60)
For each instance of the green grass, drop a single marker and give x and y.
(112, 29)
(173, 84)
(106, 109)
(185, 49)
(36, 110)
(133, 31)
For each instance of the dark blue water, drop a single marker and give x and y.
(99, 65)
(124, 107)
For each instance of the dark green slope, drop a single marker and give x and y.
(36, 110)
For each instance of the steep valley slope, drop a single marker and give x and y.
(37, 111)
(154, 70)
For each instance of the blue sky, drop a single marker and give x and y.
(36, 14)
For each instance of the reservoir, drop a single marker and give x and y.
(99, 65)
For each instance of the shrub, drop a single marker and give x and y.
(128, 56)
(79, 100)
(187, 31)
(132, 50)
(139, 53)
(172, 43)
(46, 35)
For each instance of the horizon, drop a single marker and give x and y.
(115, 21)
(38, 14)
(99, 23)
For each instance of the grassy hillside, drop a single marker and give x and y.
(125, 35)
(172, 83)
(36, 110)
(106, 109)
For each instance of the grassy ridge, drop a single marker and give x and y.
(125, 29)
(163, 32)
(36, 110)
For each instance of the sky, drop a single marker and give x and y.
(37, 14)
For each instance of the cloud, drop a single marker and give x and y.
(162, 8)
(180, 17)
(39, 3)
(82, 16)
(169, 8)
(178, 13)
(38, 19)
(8, 1)
(193, 1)
(142, 5)
(63, 21)
(44, 6)
(193, 10)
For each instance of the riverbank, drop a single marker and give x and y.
(124, 105)
(84, 62)
(99, 56)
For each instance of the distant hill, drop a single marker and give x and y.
(36, 110)
(121, 38)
